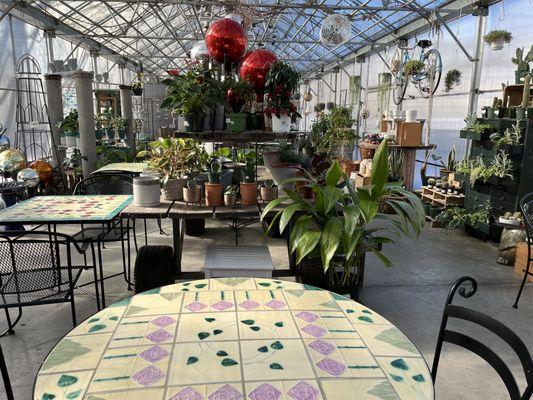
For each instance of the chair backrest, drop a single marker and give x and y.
(469, 343)
(526, 207)
(5, 376)
(31, 262)
(105, 183)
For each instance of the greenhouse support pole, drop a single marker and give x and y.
(126, 108)
(54, 100)
(84, 96)
(475, 81)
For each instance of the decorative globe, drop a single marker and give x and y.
(28, 176)
(308, 96)
(255, 66)
(336, 30)
(5, 143)
(199, 50)
(11, 161)
(226, 40)
(44, 169)
(236, 17)
(2, 203)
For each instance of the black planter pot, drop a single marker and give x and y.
(194, 122)
(274, 232)
(137, 92)
(194, 227)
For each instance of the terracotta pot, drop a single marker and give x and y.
(367, 152)
(173, 190)
(305, 190)
(230, 200)
(269, 194)
(191, 195)
(349, 166)
(248, 194)
(213, 194)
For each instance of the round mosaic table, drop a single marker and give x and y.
(235, 338)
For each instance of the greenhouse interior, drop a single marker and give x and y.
(266, 199)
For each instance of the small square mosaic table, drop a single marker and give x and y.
(234, 339)
(65, 209)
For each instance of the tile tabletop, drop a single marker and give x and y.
(65, 209)
(234, 339)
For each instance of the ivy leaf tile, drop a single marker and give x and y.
(48, 396)
(217, 331)
(279, 324)
(275, 366)
(277, 345)
(255, 328)
(74, 395)
(203, 335)
(210, 319)
(221, 353)
(64, 352)
(395, 338)
(96, 328)
(400, 364)
(383, 391)
(192, 360)
(66, 380)
(228, 362)
(263, 349)
(248, 322)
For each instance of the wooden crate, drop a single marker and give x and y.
(520, 262)
(361, 180)
(434, 197)
(409, 134)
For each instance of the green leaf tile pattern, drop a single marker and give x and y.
(170, 296)
(395, 338)
(263, 349)
(203, 335)
(96, 328)
(400, 364)
(66, 380)
(248, 322)
(383, 391)
(48, 396)
(192, 360)
(210, 319)
(65, 351)
(279, 324)
(221, 353)
(277, 345)
(74, 395)
(275, 366)
(228, 362)
(217, 331)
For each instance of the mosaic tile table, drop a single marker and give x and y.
(234, 339)
(65, 209)
(134, 168)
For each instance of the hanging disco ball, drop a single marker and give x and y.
(255, 66)
(28, 176)
(335, 30)
(199, 50)
(44, 169)
(226, 40)
(11, 161)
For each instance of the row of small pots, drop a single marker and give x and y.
(215, 197)
(238, 122)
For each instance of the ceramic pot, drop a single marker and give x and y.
(236, 122)
(70, 139)
(497, 44)
(191, 195)
(173, 190)
(213, 194)
(230, 200)
(281, 124)
(520, 113)
(248, 194)
(283, 171)
(411, 115)
(271, 158)
(367, 153)
(268, 122)
(146, 192)
(194, 122)
(269, 194)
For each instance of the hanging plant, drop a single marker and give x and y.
(497, 38)
(452, 79)
(413, 67)
(355, 89)
(384, 87)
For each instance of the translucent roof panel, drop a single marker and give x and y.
(160, 34)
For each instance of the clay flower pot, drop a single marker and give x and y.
(173, 189)
(269, 193)
(230, 200)
(213, 194)
(248, 194)
(191, 195)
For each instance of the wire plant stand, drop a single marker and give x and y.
(34, 131)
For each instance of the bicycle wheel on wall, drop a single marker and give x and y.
(433, 65)
(399, 88)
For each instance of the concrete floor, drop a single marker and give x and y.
(411, 295)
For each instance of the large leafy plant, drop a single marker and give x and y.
(195, 92)
(175, 158)
(281, 82)
(336, 227)
(70, 122)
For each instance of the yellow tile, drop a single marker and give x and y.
(103, 322)
(301, 389)
(359, 314)
(225, 391)
(208, 327)
(142, 394)
(269, 284)
(186, 392)
(154, 304)
(386, 340)
(360, 389)
(338, 325)
(196, 363)
(145, 330)
(76, 353)
(273, 360)
(201, 302)
(266, 325)
(317, 300)
(232, 284)
(62, 385)
(201, 285)
(132, 367)
(409, 376)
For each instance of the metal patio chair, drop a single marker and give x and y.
(36, 268)
(473, 345)
(526, 207)
(5, 376)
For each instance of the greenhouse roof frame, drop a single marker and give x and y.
(160, 33)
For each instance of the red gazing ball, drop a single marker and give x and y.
(226, 37)
(255, 66)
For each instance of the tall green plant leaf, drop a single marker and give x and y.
(331, 236)
(300, 227)
(380, 169)
(307, 244)
(334, 174)
(271, 205)
(351, 215)
(286, 216)
(331, 197)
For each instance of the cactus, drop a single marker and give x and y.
(191, 184)
(213, 174)
(525, 93)
(521, 61)
(269, 183)
(231, 190)
(495, 102)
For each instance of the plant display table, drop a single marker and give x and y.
(126, 167)
(235, 338)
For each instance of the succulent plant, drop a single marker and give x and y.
(526, 91)
(231, 190)
(521, 61)
(471, 120)
(269, 183)
(213, 174)
(191, 184)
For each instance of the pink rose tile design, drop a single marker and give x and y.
(322, 347)
(226, 392)
(154, 354)
(195, 306)
(249, 304)
(187, 394)
(330, 366)
(264, 392)
(307, 316)
(148, 376)
(159, 336)
(314, 330)
(303, 391)
(163, 321)
(275, 304)
(222, 305)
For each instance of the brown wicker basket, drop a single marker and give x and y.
(366, 152)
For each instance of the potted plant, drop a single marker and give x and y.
(70, 126)
(248, 187)
(100, 125)
(176, 160)
(191, 192)
(120, 124)
(331, 237)
(342, 135)
(497, 38)
(137, 88)
(213, 188)
(230, 195)
(269, 190)
(521, 109)
(239, 93)
(193, 94)
(413, 67)
(452, 79)
(281, 81)
(522, 63)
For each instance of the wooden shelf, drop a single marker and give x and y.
(226, 136)
(444, 199)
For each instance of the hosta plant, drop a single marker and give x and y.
(336, 227)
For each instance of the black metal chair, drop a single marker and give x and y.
(5, 376)
(526, 207)
(469, 343)
(36, 268)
